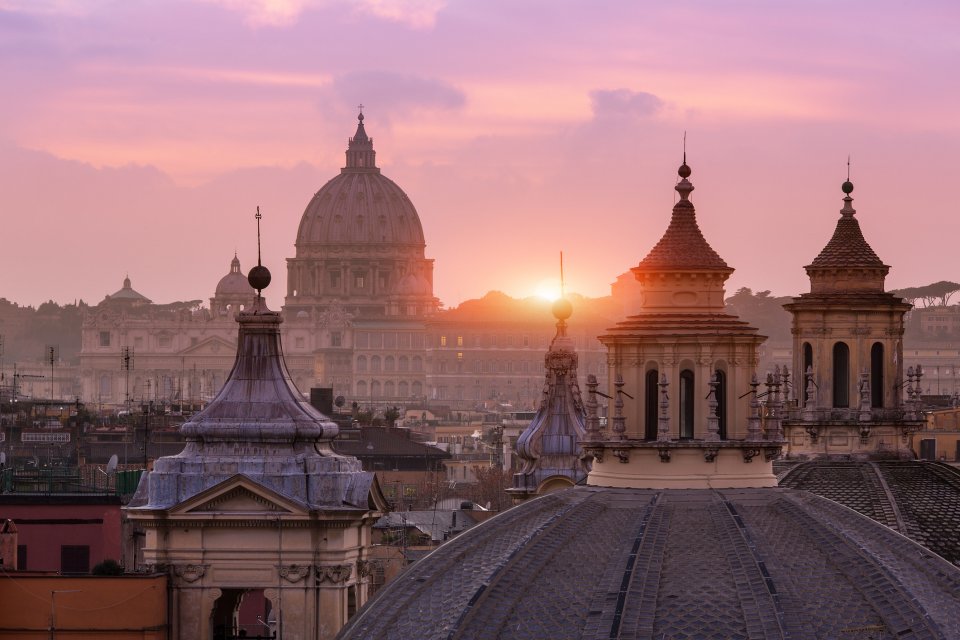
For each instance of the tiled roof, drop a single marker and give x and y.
(921, 500)
(592, 562)
(683, 245)
(847, 247)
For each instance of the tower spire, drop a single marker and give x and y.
(259, 276)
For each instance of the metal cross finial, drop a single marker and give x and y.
(258, 216)
(848, 167)
(684, 147)
(360, 106)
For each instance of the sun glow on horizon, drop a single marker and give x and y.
(548, 289)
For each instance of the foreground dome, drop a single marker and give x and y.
(594, 562)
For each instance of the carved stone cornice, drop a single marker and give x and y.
(333, 573)
(189, 572)
(293, 573)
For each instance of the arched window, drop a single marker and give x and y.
(403, 389)
(841, 375)
(388, 389)
(686, 403)
(403, 363)
(361, 363)
(417, 366)
(361, 388)
(416, 388)
(807, 366)
(722, 403)
(375, 389)
(388, 363)
(375, 363)
(876, 375)
(652, 403)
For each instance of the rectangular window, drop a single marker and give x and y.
(336, 339)
(443, 341)
(460, 356)
(334, 279)
(21, 557)
(75, 558)
(459, 341)
(104, 338)
(358, 281)
(298, 342)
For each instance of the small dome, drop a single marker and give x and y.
(234, 283)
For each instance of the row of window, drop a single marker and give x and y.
(164, 341)
(389, 364)
(840, 374)
(687, 403)
(388, 340)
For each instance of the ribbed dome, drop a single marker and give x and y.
(593, 562)
(360, 206)
(234, 283)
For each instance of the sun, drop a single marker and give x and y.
(548, 289)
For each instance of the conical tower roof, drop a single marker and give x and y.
(847, 248)
(682, 245)
(260, 426)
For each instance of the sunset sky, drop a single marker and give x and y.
(137, 136)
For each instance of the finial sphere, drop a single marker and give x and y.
(259, 277)
(684, 171)
(562, 309)
(847, 187)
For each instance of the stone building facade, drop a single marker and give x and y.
(179, 353)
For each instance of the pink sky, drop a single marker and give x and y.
(138, 137)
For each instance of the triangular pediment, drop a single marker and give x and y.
(212, 346)
(238, 496)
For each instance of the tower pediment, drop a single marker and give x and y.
(238, 496)
(212, 346)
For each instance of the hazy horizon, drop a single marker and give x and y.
(138, 138)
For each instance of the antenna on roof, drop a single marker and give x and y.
(561, 275)
(258, 216)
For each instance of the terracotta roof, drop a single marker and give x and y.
(683, 245)
(847, 248)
